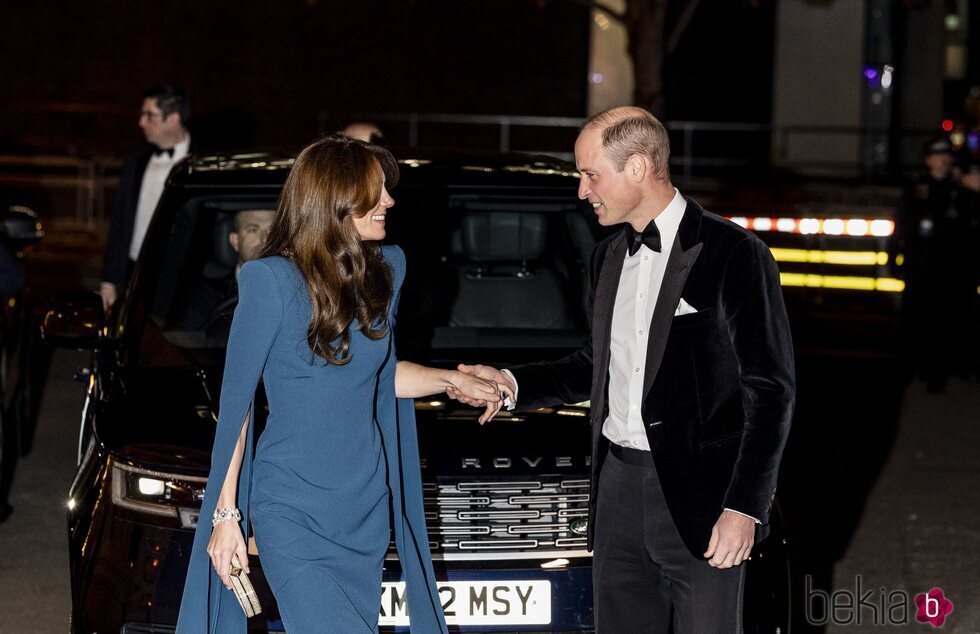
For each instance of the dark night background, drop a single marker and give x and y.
(258, 73)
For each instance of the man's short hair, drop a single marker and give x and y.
(169, 99)
(939, 145)
(238, 220)
(629, 130)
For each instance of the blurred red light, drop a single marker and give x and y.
(947, 125)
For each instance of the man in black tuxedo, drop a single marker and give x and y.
(689, 369)
(144, 174)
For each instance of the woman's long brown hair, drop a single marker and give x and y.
(332, 182)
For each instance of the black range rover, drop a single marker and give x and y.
(497, 251)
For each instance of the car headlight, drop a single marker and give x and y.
(158, 493)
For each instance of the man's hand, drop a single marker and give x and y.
(107, 291)
(731, 540)
(478, 392)
(489, 374)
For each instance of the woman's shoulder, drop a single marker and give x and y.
(279, 266)
(274, 272)
(395, 258)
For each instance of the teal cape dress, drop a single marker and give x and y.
(334, 471)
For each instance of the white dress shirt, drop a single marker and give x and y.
(636, 296)
(154, 178)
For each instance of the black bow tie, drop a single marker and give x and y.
(157, 151)
(649, 237)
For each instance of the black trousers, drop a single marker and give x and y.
(644, 577)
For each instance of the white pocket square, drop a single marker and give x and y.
(683, 308)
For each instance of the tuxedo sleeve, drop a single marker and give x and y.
(569, 379)
(115, 262)
(760, 334)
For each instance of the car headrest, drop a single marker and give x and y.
(226, 256)
(503, 236)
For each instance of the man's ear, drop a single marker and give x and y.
(636, 167)
(233, 241)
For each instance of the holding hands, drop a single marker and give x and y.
(504, 388)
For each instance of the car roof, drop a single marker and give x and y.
(418, 168)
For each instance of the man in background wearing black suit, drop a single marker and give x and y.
(144, 173)
(689, 369)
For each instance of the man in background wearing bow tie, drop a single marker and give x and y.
(689, 369)
(144, 173)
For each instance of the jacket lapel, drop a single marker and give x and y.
(683, 254)
(602, 314)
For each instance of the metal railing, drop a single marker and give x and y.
(88, 179)
(756, 145)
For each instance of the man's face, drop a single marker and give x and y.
(160, 130)
(940, 165)
(251, 232)
(371, 226)
(613, 195)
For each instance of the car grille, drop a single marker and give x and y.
(494, 519)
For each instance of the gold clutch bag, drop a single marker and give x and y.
(244, 591)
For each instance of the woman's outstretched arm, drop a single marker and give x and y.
(413, 381)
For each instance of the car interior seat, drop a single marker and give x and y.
(225, 257)
(505, 282)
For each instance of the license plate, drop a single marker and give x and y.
(476, 603)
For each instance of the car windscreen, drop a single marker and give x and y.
(491, 270)
(485, 271)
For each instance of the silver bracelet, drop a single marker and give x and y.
(225, 515)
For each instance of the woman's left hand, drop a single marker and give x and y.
(479, 392)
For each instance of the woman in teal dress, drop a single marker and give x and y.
(337, 466)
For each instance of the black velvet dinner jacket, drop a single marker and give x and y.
(122, 219)
(719, 386)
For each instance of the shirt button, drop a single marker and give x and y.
(641, 295)
(646, 257)
(637, 370)
(641, 333)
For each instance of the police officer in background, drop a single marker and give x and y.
(968, 207)
(931, 246)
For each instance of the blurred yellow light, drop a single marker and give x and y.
(842, 282)
(854, 258)
(889, 285)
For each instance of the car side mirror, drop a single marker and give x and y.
(75, 320)
(20, 227)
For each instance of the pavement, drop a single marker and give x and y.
(920, 527)
(34, 588)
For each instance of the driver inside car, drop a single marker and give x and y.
(217, 292)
